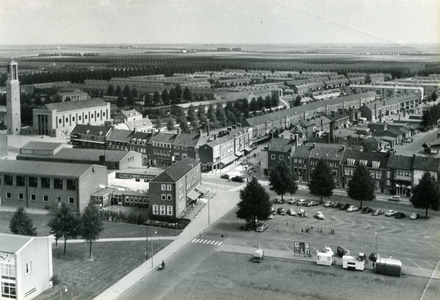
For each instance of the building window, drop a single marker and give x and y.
(7, 271)
(28, 268)
(272, 156)
(163, 197)
(79, 118)
(45, 182)
(378, 174)
(363, 162)
(45, 198)
(281, 157)
(33, 197)
(375, 164)
(347, 171)
(58, 183)
(59, 121)
(169, 187)
(8, 179)
(67, 119)
(162, 210)
(350, 161)
(169, 210)
(155, 209)
(8, 290)
(8, 195)
(169, 197)
(71, 184)
(20, 196)
(163, 187)
(33, 181)
(21, 181)
(71, 200)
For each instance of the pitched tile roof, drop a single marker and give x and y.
(398, 162)
(382, 158)
(281, 145)
(33, 145)
(119, 135)
(426, 164)
(44, 168)
(163, 137)
(176, 171)
(328, 153)
(93, 129)
(74, 105)
(186, 139)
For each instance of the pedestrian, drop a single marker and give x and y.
(293, 225)
(302, 230)
(287, 224)
(200, 235)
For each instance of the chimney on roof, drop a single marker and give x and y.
(102, 160)
(380, 116)
(331, 132)
(215, 137)
(314, 146)
(207, 129)
(178, 131)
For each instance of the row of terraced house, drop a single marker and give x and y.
(392, 174)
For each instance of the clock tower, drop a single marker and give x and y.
(13, 114)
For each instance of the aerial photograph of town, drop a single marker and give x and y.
(220, 150)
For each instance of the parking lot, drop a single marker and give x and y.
(414, 242)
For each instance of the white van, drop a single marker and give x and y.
(325, 259)
(258, 255)
(351, 262)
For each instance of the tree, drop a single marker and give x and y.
(64, 223)
(120, 101)
(268, 102)
(275, 99)
(434, 96)
(192, 116)
(126, 90)
(118, 90)
(361, 185)
(260, 102)
(171, 124)
(130, 99)
(147, 100)
(184, 126)
(38, 101)
(173, 96)
(165, 98)
(110, 90)
(426, 193)
(321, 181)
(21, 223)
(158, 122)
(187, 95)
(220, 115)
(297, 101)
(178, 91)
(282, 180)
(254, 203)
(156, 97)
(253, 105)
(91, 225)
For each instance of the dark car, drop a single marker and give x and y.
(337, 204)
(400, 215)
(224, 176)
(344, 206)
(342, 251)
(281, 211)
(237, 179)
(367, 210)
(261, 227)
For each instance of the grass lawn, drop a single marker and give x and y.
(111, 260)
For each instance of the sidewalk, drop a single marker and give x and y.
(281, 254)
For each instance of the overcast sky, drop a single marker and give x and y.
(219, 21)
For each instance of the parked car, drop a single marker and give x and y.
(328, 250)
(311, 203)
(400, 215)
(291, 212)
(319, 215)
(395, 198)
(378, 212)
(280, 201)
(329, 204)
(414, 216)
(272, 210)
(344, 206)
(301, 202)
(302, 213)
(225, 176)
(337, 205)
(341, 251)
(367, 210)
(237, 179)
(352, 208)
(270, 216)
(292, 201)
(281, 211)
(390, 213)
(262, 227)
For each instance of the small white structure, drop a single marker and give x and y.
(352, 262)
(258, 255)
(325, 259)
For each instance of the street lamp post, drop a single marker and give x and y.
(257, 240)
(146, 242)
(209, 212)
(63, 288)
(152, 250)
(376, 242)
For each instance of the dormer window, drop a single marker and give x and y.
(363, 162)
(350, 161)
(376, 164)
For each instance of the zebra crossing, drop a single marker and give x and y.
(206, 242)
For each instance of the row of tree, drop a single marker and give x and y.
(255, 203)
(431, 116)
(64, 223)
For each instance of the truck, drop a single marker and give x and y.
(388, 266)
(258, 255)
(325, 259)
(353, 262)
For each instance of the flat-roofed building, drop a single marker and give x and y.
(37, 184)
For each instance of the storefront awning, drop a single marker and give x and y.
(193, 195)
(239, 153)
(228, 160)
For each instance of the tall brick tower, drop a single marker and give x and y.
(13, 114)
